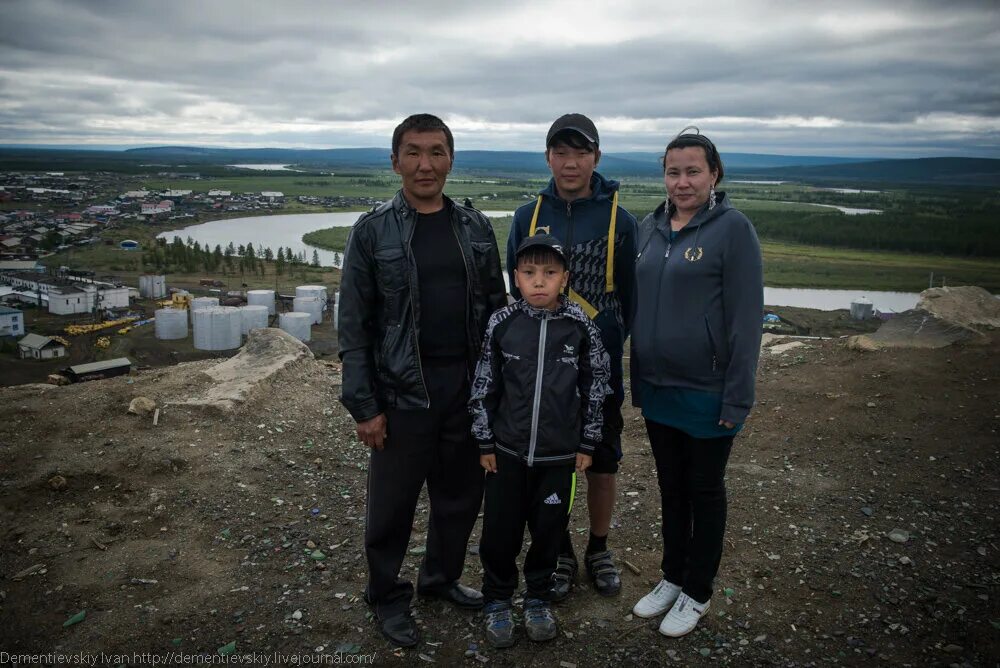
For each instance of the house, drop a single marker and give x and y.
(272, 196)
(151, 209)
(40, 347)
(11, 322)
(21, 265)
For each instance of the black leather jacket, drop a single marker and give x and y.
(380, 305)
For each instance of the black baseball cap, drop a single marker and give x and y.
(542, 241)
(577, 123)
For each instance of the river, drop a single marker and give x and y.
(287, 230)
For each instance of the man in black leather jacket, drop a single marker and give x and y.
(421, 278)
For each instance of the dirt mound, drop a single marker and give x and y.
(943, 316)
(268, 352)
(967, 306)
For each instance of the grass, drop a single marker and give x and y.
(794, 265)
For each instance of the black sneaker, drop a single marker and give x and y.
(499, 623)
(563, 577)
(603, 572)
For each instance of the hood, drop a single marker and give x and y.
(661, 215)
(600, 189)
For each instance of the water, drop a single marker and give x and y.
(275, 231)
(766, 183)
(849, 191)
(264, 167)
(831, 300)
(287, 231)
(849, 210)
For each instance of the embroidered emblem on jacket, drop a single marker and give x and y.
(693, 254)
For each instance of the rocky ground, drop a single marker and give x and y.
(862, 528)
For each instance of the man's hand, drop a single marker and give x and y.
(488, 462)
(583, 462)
(372, 432)
(726, 424)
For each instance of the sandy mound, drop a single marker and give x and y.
(968, 306)
(943, 316)
(267, 353)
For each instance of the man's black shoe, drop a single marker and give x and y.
(401, 630)
(457, 594)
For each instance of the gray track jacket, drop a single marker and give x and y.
(700, 301)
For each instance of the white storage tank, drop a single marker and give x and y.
(254, 317)
(171, 323)
(152, 287)
(202, 303)
(262, 298)
(297, 324)
(862, 309)
(311, 305)
(317, 291)
(217, 328)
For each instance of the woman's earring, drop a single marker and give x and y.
(711, 198)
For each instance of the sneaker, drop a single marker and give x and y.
(657, 601)
(603, 572)
(538, 620)
(499, 621)
(562, 578)
(683, 616)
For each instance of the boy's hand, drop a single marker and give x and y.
(488, 462)
(583, 462)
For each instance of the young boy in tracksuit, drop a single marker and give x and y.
(536, 403)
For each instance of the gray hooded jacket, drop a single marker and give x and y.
(700, 301)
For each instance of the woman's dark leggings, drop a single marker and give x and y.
(691, 474)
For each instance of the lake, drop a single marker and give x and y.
(287, 230)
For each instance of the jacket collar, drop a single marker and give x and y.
(600, 189)
(566, 309)
(662, 215)
(405, 211)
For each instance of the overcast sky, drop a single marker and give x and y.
(894, 79)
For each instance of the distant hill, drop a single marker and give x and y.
(808, 169)
(944, 171)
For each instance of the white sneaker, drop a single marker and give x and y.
(683, 617)
(657, 601)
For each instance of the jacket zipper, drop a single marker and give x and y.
(468, 290)
(413, 314)
(711, 344)
(569, 245)
(536, 403)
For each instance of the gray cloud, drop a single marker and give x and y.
(860, 78)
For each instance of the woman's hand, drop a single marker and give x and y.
(583, 462)
(488, 462)
(726, 424)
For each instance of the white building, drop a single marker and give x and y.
(11, 322)
(272, 195)
(40, 347)
(66, 297)
(151, 209)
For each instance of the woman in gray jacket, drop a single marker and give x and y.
(695, 345)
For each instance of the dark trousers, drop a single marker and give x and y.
(693, 493)
(433, 445)
(519, 495)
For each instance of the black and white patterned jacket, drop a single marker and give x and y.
(540, 384)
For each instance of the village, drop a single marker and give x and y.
(68, 317)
